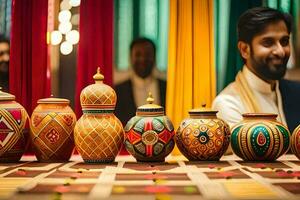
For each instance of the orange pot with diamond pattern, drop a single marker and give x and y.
(52, 130)
(98, 133)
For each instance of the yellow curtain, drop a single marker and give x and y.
(191, 68)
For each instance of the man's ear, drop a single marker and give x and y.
(244, 49)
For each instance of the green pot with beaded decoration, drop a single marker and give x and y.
(260, 137)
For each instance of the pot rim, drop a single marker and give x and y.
(52, 100)
(260, 115)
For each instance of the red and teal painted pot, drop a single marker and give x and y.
(296, 141)
(14, 128)
(149, 136)
(259, 136)
(203, 136)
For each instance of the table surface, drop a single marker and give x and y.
(176, 178)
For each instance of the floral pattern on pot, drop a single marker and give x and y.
(203, 136)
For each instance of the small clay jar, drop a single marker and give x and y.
(52, 130)
(149, 136)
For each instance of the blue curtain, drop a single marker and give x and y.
(140, 18)
(5, 15)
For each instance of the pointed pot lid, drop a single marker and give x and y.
(98, 77)
(4, 96)
(150, 109)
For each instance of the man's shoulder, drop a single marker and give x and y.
(161, 81)
(229, 90)
(125, 84)
(289, 84)
(228, 97)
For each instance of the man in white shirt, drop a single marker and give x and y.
(264, 45)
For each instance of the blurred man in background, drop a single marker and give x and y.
(4, 63)
(133, 92)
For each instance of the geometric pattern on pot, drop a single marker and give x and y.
(51, 131)
(12, 123)
(203, 139)
(260, 140)
(148, 136)
(100, 139)
(98, 96)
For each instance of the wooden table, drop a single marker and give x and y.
(177, 178)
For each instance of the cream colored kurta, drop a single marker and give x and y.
(230, 105)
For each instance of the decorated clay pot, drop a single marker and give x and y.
(259, 136)
(52, 127)
(203, 136)
(99, 134)
(295, 141)
(149, 136)
(14, 128)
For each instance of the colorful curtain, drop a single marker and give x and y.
(141, 18)
(29, 78)
(5, 17)
(292, 7)
(191, 68)
(95, 47)
(228, 60)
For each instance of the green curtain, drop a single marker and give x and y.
(228, 60)
(140, 18)
(5, 15)
(288, 6)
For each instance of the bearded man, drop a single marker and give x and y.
(264, 45)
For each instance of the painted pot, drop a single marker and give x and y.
(149, 136)
(203, 136)
(14, 128)
(52, 130)
(295, 141)
(99, 134)
(259, 136)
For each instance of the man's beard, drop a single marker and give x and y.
(4, 67)
(267, 70)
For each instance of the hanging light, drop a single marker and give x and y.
(56, 37)
(74, 3)
(75, 19)
(64, 16)
(66, 48)
(65, 27)
(65, 5)
(72, 37)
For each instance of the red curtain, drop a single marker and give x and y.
(29, 80)
(95, 46)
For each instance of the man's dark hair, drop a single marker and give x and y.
(4, 39)
(254, 21)
(141, 40)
